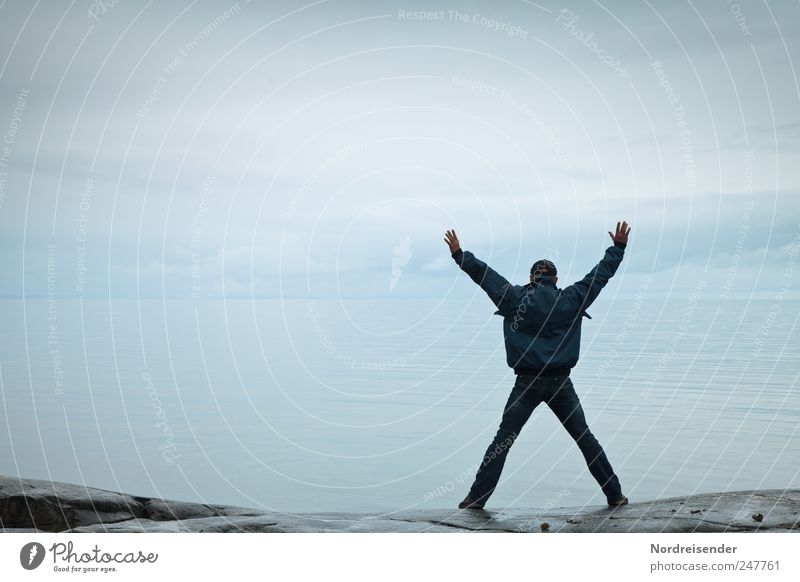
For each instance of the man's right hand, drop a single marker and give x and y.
(622, 233)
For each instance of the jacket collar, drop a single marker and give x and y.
(544, 282)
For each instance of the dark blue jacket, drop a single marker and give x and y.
(542, 323)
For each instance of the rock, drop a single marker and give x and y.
(28, 505)
(46, 506)
(162, 510)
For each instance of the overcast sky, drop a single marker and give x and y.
(323, 148)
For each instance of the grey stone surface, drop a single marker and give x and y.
(53, 506)
(31, 505)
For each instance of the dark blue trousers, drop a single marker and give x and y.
(559, 394)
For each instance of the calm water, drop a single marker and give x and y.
(373, 405)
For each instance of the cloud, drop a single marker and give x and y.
(439, 264)
(331, 135)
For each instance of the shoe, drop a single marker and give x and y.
(621, 501)
(468, 503)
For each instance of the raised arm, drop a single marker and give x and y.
(585, 291)
(494, 284)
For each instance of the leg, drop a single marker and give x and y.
(521, 403)
(567, 407)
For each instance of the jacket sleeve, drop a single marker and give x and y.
(584, 292)
(495, 285)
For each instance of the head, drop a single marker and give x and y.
(544, 269)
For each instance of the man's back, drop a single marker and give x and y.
(542, 323)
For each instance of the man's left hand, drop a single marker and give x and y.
(452, 241)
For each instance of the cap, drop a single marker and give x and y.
(544, 268)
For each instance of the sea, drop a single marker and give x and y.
(380, 405)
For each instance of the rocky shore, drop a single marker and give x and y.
(29, 505)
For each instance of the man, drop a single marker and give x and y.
(542, 329)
